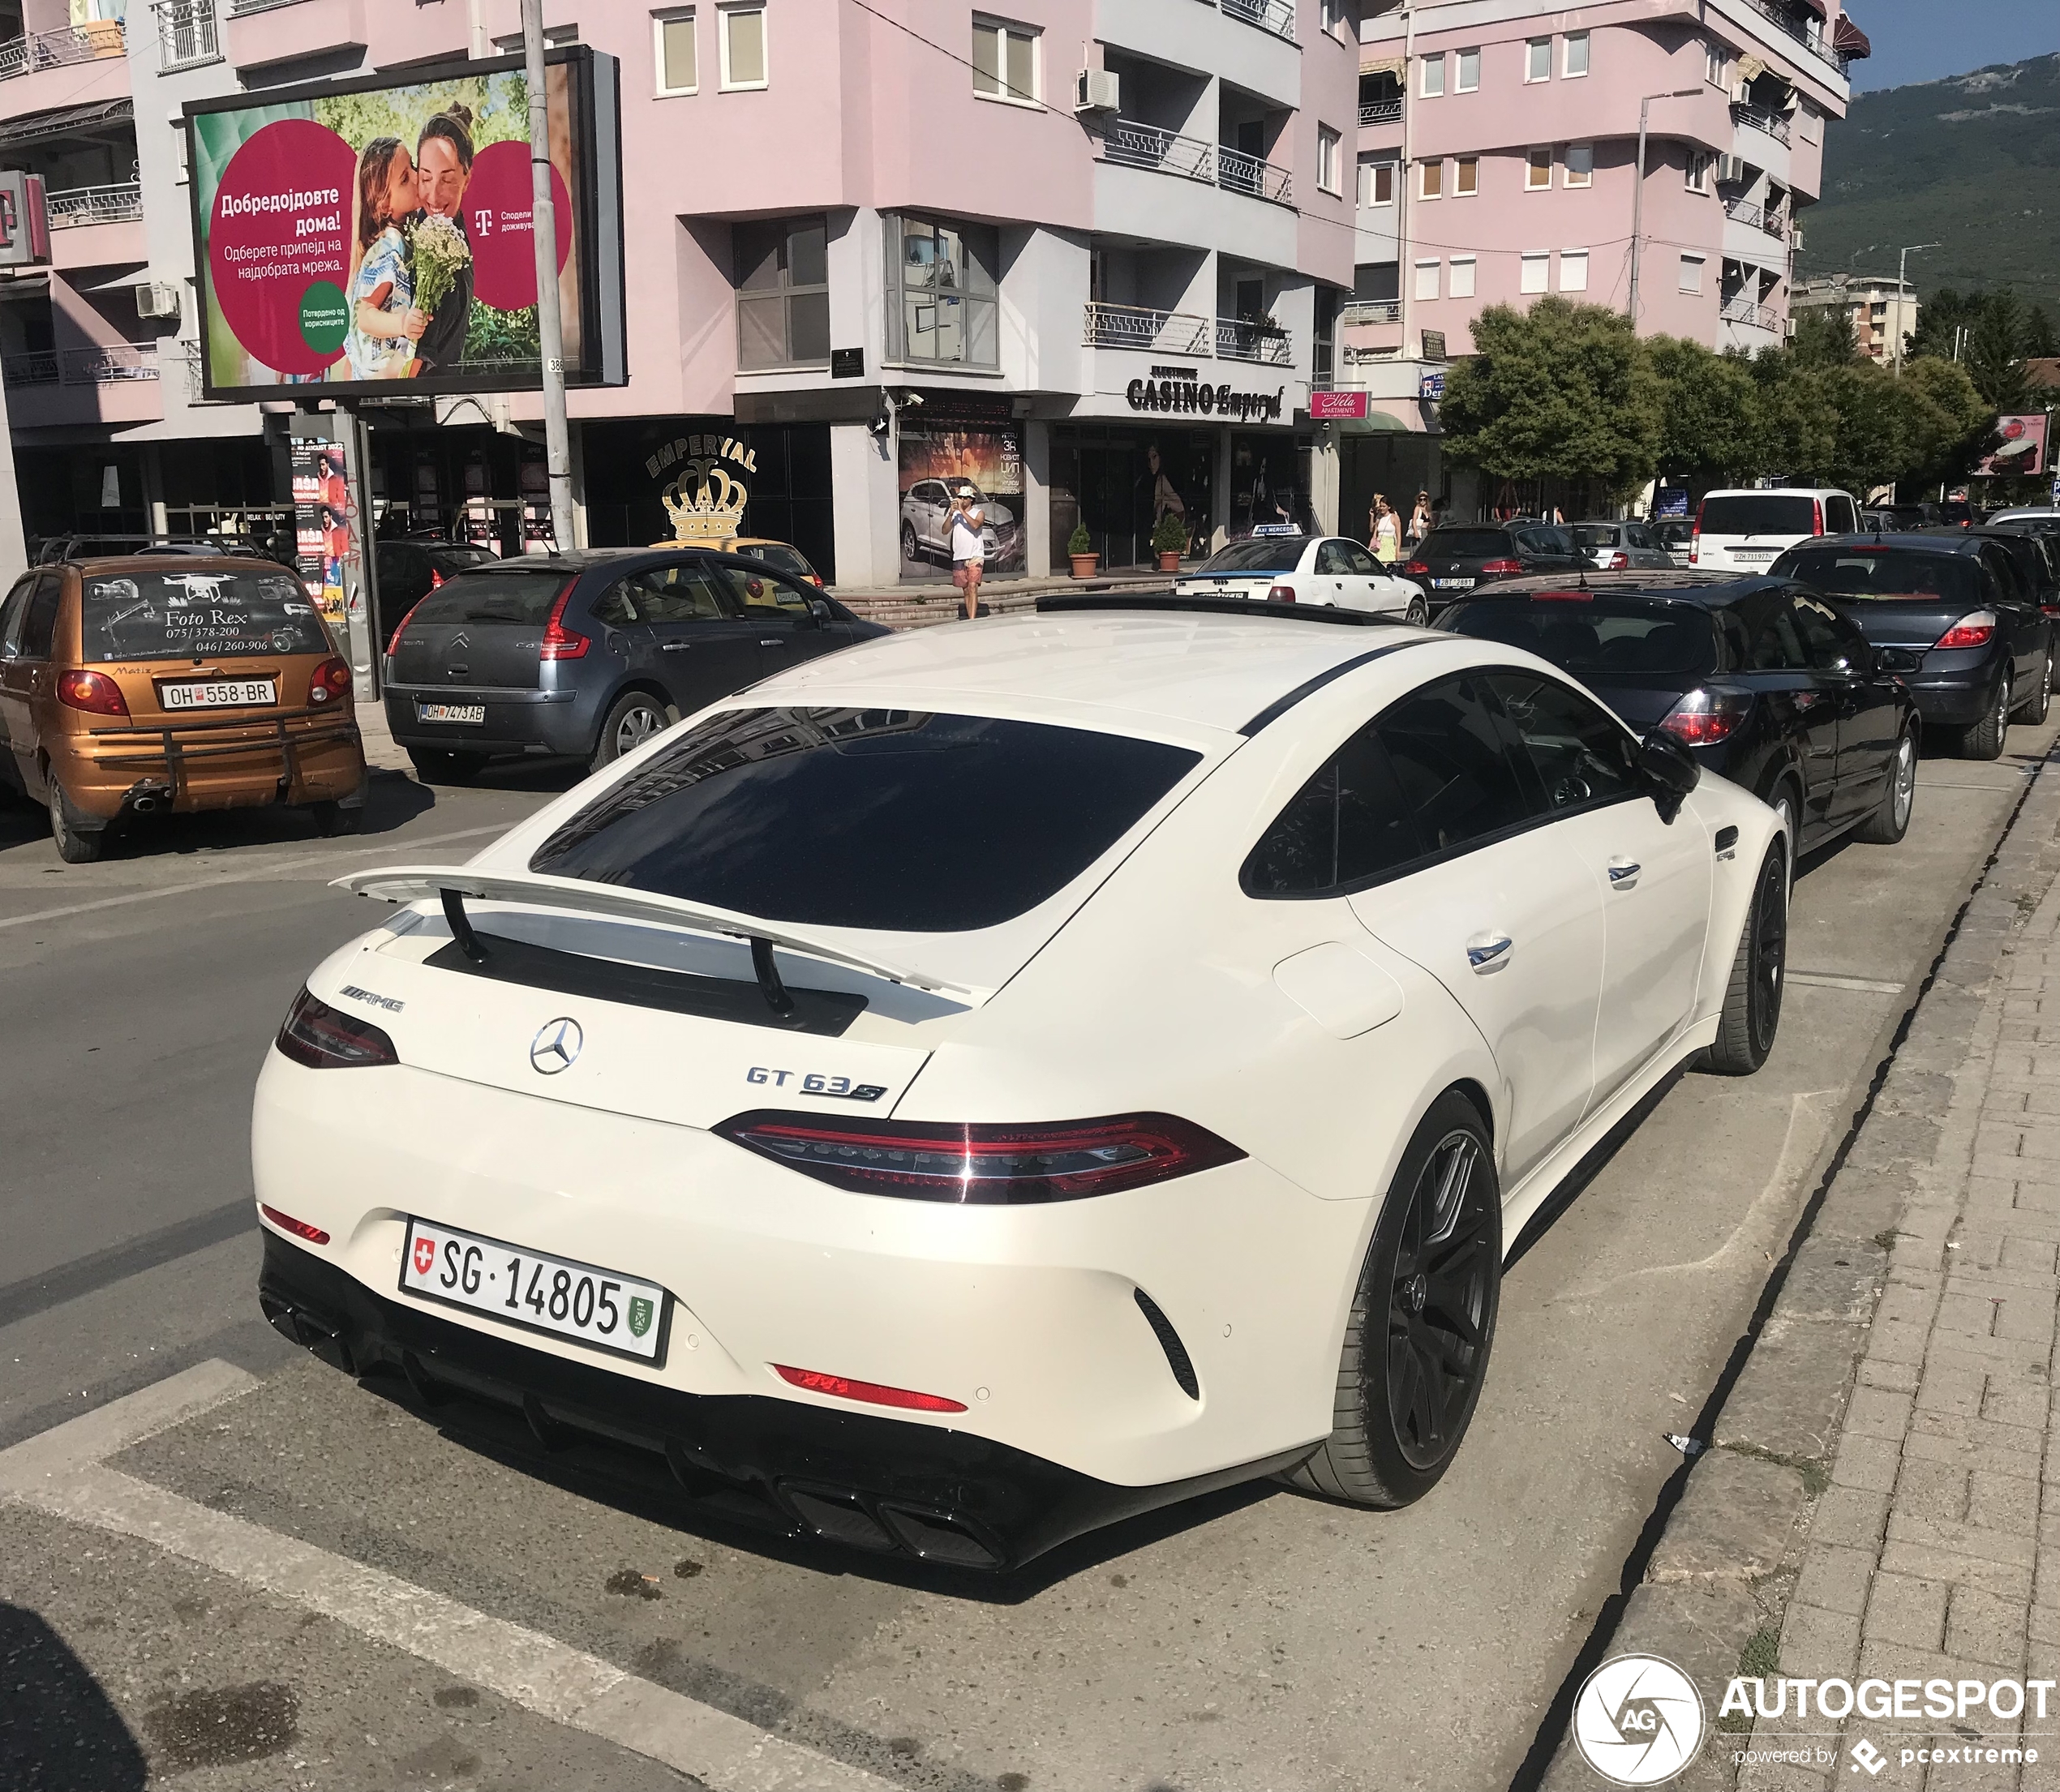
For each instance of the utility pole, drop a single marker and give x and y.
(550, 327)
(1405, 278)
(1902, 287)
(1637, 191)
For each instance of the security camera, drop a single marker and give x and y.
(907, 400)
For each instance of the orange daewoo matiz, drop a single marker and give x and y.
(172, 681)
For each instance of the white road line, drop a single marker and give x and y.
(62, 1472)
(1830, 980)
(251, 874)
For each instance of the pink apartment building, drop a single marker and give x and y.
(1088, 252)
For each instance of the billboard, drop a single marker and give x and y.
(351, 234)
(2019, 453)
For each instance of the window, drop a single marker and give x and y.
(1467, 177)
(1537, 272)
(1582, 759)
(40, 628)
(144, 615)
(782, 292)
(1776, 645)
(1714, 63)
(1426, 280)
(1463, 277)
(940, 305)
(744, 47)
(1538, 170)
(1446, 750)
(1838, 519)
(1698, 171)
(1692, 273)
(1538, 59)
(1349, 825)
(1327, 174)
(1606, 634)
(1812, 121)
(1004, 62)
(1431, 180)
(1579, 167)
(1376, 183)
(1573, 270)
(1433, 83)
(1575, 64)
(181, 168)
(673, 50)
(1825, 648)
(1466, 72)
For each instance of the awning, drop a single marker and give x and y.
(1849, 41)
(1395, 66)
(64, 120)
(1375, 422)
(1750, 68)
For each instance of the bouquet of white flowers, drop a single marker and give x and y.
(439, 252)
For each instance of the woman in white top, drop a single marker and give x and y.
(968, 554)
(1387, 532)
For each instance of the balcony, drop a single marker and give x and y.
(106, 383)
(1135, 145)
(1141, 328)
(1774, 224)
(73, 206)
(68, 44)
(1237, 173)
(1275, 16)
(1789, 25)
(1240, 339)
(263, 33)
(1375, 112)
(1743, 310)
(1774, 124)
(1370, 310)
(186, 36)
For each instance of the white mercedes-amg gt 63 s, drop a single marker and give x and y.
(998, 1079)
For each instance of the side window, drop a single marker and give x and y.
(619, 608)
(1821, 645)
(1776, 646)
(1837, 516)
(1998, 563)
(1330, 558)
(40, 629)
(13, 612)
(1582, 757)
(1357, 560)
(679, 594)
(1448, 749)
(760, 592)
(1734, 641)
(1346, 825)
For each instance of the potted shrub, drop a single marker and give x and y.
(1079, 549)
(1169, 541)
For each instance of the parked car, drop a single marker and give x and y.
(590, 653)
(2041, 520)
(1612, 546)
(2036, 557)
(1765, 681)
(926, 523)
(1905, 517)
(1455, 558)
(141, 684)
(409, 568)
(1951, 615)
(1675, 533)
(1324, 569)
(1108, 972)
(781, 556)
(1747, 531)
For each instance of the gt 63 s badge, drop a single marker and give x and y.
(814, 1082)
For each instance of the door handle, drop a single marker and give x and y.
(676, 647)
(1623, 873)
(776, 642)
(1486, 952)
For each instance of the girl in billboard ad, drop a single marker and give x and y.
(385, 324)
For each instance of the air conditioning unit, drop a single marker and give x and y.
(1730, 168)
(155, 299)
(1097, 90)
(1742, 93)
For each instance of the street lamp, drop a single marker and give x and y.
(1638, 196)
(1902, 286)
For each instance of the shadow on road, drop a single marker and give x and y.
(58, 1730)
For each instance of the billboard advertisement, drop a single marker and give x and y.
(355, 233)
(2019, 453)
(953, 440)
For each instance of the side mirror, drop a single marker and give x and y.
(819, 608)
(1670, 772)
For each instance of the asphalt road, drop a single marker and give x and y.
(1256, 1640)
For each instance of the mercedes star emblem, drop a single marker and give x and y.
(556, 1044)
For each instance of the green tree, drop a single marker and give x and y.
(1709, 425)
(1951, 423)
(1994, 356)
(2039, 341)
(1824, 337)
(1562, 391)
(1941, 319)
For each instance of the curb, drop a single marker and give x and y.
(1710, 1583)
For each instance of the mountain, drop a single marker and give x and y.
(1971, 162)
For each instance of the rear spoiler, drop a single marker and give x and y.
(430, 883)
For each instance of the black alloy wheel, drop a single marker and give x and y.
(1751, 1002)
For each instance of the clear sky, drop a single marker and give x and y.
(1925, 40)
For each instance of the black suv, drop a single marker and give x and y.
(1458, 558)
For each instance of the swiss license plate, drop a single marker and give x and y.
(221, 693)
(1452, 584)
(1752, 553)
(532, 1288)
(450, 712)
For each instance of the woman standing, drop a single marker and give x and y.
(1387, 539)
(1419, 520)
(384, 325)
(443, 165)
(968, 552)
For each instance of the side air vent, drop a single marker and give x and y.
(1177, 1357)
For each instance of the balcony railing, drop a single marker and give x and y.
(1137, 145)
(67, 43)
(1277, 16)
(101, 366)
(1237, 339)
(1243, 174)
(75, 205)
(1139, 327)
(239, 8)
(1744, 310)
(1774, 224)
(1371, 311)
(1374, 112)
(1774, 124)
(187, 36)
(1790, 25)
(38, 367)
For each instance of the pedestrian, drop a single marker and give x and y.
(1386, 540)
(1420, 519)
(968, 554)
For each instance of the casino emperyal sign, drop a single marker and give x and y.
(1176, 390)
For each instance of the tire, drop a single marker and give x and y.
(1752, 1002)
(441, 766)
(80, 839)
(1985, 740)
(637, 716)
(912, 552)
(1783, 800)
(2032, 711)
(331, 819)
(1891, 819)
(1419, 613)
(1413, 1309)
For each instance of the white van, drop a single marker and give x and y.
(1747, 531)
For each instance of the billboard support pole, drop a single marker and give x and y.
(551, 337)
(360, 565)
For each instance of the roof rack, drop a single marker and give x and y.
(60, 549)
(1060, 602)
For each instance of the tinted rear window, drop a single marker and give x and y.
(1262, 554)
(194, 616)
(872, 818)
(448, 560)
(1759, 515)
(1886, 573)
(1606, 635)
(1596, 534)
(781, 560)
(1465, 544)
(505, 594)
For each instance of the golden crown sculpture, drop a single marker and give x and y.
(704, 503)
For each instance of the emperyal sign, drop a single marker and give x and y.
(1176, 390)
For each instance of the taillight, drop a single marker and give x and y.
(1281, 594)
(436, 578)
(983, 1166)
(815, 579)
(95, 692)
(1695, 539)
(1416, 566)
(393, 640)
(1977, 628)
(1817, 516)
(1618, 562)
(1702, 718)
(873, 1393)
(558, 642)
(1502, 566)
(323, 1037)
(299, 1228)
(330, 680)
(1570, 595)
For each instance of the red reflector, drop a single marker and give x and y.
(1281, 594)
(873, 1393)
(1569, 596)
(1502, 566)
(558, 642)
(983, 1166)
(95, 692)
(331, 679)
(1976, 629)
(299, 1228)
(1702, 718)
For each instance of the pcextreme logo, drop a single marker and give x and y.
(1639, 1721)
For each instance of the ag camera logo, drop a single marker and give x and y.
(1639, 1721)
